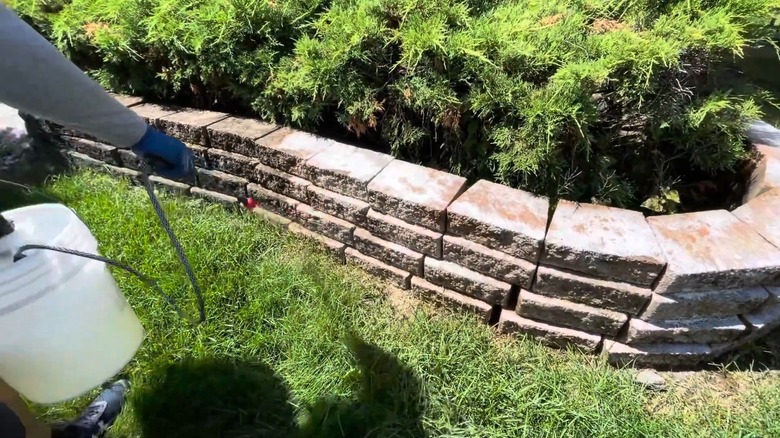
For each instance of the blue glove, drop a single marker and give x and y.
(169, 156)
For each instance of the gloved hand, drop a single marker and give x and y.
(169, 156)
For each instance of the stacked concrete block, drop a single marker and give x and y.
(596, 270)
(661, 291)
(189, 126)
(494, 238)
(238, 135)
(407, 209)
(717, 265)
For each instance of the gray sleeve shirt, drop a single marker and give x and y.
(39, 80)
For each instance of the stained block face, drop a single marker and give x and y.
(152, 113)
(397, 276)
(712, 250)
(603, 242)
(282, 182)
(235, 164)
(687, 305)
(346, 169)
(190, 125)
(612, 295)
(221, 182)
(500, 217)
(548, 334)
(450, 299)
(237, 134)
(344, 207)
(761, 214)
(656, 354)
(391, 253)
(412, 236)
(466, 281)
(685, 331)
(216, 197)
(568, 314)
(325, 224)
(490, 262)
(414, 193)
(288, 150)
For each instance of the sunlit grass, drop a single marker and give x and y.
(298, 345)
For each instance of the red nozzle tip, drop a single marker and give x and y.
(250, 203)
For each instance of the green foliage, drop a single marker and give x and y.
(607, 101)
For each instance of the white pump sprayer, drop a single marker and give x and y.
(65, 327)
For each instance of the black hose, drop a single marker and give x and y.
(144, 278)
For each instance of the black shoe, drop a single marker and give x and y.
(99, 415)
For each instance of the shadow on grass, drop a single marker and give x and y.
(215, 398)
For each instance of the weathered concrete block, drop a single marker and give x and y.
(656, 354)
(766, 176)
(490, 262)
(273, 218)
(200, 155)
(222, 182)
(237, 134)
(621, 297)
(152, 113)
(550, 335)
(234, 164)
(132, 175)
(189, 125)
(85, 161)
(761, 215)
(686, 331)
(275, 202)
(416, 194)
(568, 314)
(688, 305)
(288, 150)
(603, 242)
(170, 185)
(345, 169)
(334, 247)
(281, 182)
(502, 218)
(712, 250)
(443, 297)
(412, 236)
(388, 252)
(128, 159)
(761, 322)
(766, 317)
(466, 281)
(216, 197)
(399, 277)
(126, 100)
(344, 207)
(325, 224)
(99, 151)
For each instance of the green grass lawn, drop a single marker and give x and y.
(298, 345)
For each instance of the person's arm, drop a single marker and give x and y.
(37, 79)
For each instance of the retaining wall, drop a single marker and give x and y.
(658, 291)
